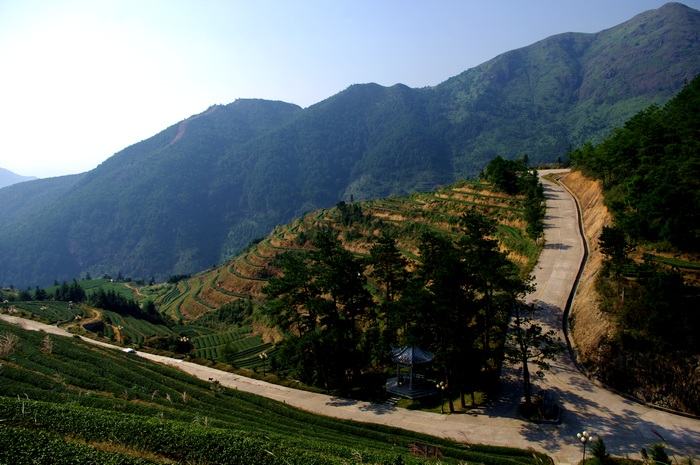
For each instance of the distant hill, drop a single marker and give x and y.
(21, 202)
(195, 194)
(7, 178)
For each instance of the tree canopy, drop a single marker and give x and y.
(650, 171)
(453, 299)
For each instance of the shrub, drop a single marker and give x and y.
(599, 451)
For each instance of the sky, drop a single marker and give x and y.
(82, 79)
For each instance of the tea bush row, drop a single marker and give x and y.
(173, 440)
(51, 311)
(220, 338)
(20, 446)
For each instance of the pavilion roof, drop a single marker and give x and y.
(412, 355)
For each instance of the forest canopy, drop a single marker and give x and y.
(650, 171)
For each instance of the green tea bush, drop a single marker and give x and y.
(19, 446)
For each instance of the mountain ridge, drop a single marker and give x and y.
(196, 193)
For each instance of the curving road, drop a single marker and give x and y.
(626, 426)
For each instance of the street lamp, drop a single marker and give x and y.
(585, 437)
(441, 387)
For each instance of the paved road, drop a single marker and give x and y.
(624, 425)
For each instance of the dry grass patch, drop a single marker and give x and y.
(9, 342)
(589, 326)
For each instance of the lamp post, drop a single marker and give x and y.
(441, 387)
(585, 437)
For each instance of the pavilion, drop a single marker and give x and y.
(410, 385)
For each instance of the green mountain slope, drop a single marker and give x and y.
(568, 89)
(150, 204)
(22, 202)
(195, 194)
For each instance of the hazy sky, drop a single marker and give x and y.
(81, 80)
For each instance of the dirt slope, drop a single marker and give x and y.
(588, 325)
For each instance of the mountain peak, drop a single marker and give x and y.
(673, 6)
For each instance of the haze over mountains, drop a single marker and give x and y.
(193, 195)
(7, 178)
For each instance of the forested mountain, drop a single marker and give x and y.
(154, 208)
(196, 193)
(22, 202)
(570, 88)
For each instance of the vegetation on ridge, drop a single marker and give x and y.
(650, 286)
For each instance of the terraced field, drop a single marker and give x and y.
(244, 276)
(130, 330)
(48, 311)
(241, 348)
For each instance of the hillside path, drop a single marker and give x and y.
(626, 426)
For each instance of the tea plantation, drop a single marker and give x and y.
(66, 401)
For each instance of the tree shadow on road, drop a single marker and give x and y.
(551, 315)
(625, 432)
(557, 246)
(548, 222)
(378, 409)
(341, 402)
